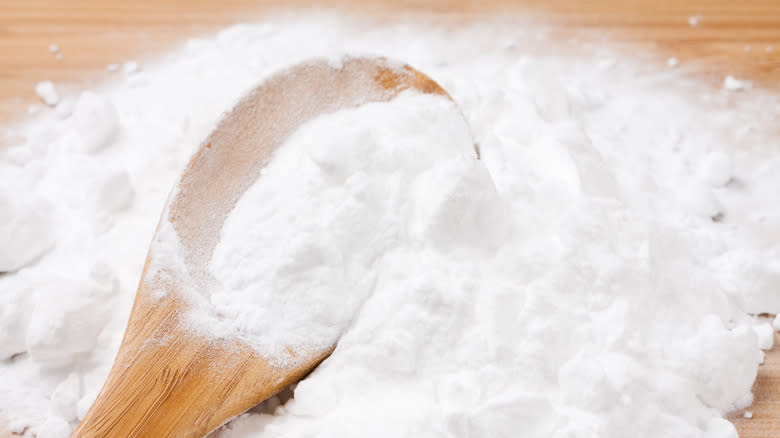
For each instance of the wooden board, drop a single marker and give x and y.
(739, 37)
(93, 33)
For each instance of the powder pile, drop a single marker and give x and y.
(302, 248)
(593, 275)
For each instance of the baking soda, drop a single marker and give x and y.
(47, 92)
(593, 274)
(731, 83)
(307, 239)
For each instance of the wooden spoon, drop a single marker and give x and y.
(166, 380)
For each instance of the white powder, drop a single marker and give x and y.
(731, 83)
(765, 334)
(306, 241)
(97, 121)
(716, 169)
(26, 229)
(588, 277)
(47, 92)
(131, 67)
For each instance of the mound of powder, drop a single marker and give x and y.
(592, 275)
(298, 254)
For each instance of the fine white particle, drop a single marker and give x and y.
(131, 67)
(26, 230)
(47, 92)
(748, 415)
(97, 121)
(693, 20)
(730, 83)
(19, 155)
(765, 334)
(53, 48)
(64, 109)
(115, 192)
(716, 169)
(672, 62)
(112, 67)
(336, 62)
(54, 427)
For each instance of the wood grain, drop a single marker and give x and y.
(732, 37)
(93, 33)
(169, 382)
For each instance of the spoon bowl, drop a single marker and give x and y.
(167, 380)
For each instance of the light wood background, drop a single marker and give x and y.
(94, 33)
(739, 37)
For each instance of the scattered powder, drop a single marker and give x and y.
(53, 48)
(590, 276)
(765, 334)
(731, 83)
(748, 415)
(693, 20)
(672, 62)
(131, 67)
(47, 92)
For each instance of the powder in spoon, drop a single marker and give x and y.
(298, 254)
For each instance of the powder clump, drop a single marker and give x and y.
(47, 92)
(298, 254)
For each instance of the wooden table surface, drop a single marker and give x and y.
(738, 37)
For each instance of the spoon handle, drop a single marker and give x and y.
(167, 382)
